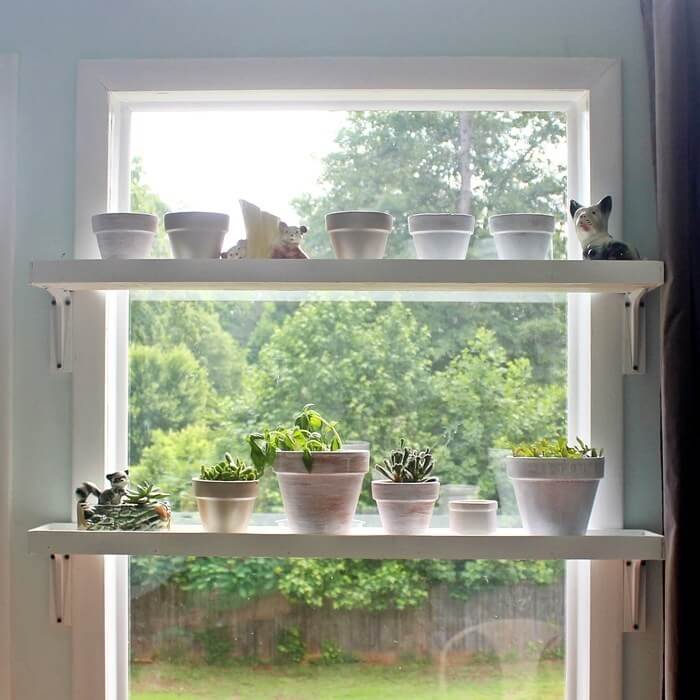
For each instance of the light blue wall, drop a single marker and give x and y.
(51, 37)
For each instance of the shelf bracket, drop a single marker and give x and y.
(635, 601)
(61, 328)
(634, 332)
(59, 590)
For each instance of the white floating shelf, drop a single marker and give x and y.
(362, 543)
(351, 275)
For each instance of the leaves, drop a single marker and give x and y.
(557, 447)
(408, 465)
(228, 470)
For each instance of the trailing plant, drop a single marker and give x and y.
(407, 465)
(310, 432)
(230, 470)
(556, 448)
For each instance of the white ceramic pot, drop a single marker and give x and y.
(405, 508)
(225, 506)
(473, 517)
(124, 235)
(359, 234)
(196, 234)
(323, 500)
(522, 236)
(555, 495)
(441, 236)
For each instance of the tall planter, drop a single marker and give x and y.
(323, 500)
(555, 495)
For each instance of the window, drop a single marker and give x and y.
(102, 183)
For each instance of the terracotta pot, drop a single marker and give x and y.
(124, 235)
(324, 499)
(522, 236)
(225, 506)
(196, 234)
(473, 517)
(405, 508)
(359, 234)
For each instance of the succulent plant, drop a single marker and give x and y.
(229, 470)
(407, 465)
(556, 448)
(144, 494)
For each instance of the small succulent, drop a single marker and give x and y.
(408, 465)
(144, 494)
(229, 470)
(556, 448)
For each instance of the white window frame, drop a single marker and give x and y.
(590, 92)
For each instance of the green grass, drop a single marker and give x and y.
(481, 681)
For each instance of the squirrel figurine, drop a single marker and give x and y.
(113, 495)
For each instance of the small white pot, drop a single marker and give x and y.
(225, 506)
(522, 236)
(124, 235)
(196, 234)
(359, 234)
(405, 508)
(473, 517)
(441, 236)
(322, 501)
(555, 495)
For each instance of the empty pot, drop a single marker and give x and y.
(124, 235)
(522, 236)
(359, 234)
(473, 517)
(441, 236)
(196, 234)
(225, 506)
(405, 508)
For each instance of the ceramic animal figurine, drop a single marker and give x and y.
(113, 495)
(289, 247)
(236, 252)
(591, 224)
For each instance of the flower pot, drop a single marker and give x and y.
(473, 517)
(359, 234)
(522, 236)
(124, 516)
(124, 235)
(441, 236)
(225, 506)
(555, 495)
(196, 234)
(324, 499)
(405, 508)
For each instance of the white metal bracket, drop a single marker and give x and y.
(635, 599)
(634, 333)
(60, 593)
(61, 329)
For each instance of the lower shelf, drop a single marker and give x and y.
(363, 543)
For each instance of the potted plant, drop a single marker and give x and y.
(320, 482)
(555, 485)
(407, 496)
(226, 493)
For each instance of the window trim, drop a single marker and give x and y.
(589, 88)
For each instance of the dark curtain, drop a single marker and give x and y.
(672, 30)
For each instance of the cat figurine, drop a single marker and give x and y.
(289, 246)
(111, 496)
(236, 252)
(591, 225)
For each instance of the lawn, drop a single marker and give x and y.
(482, 681)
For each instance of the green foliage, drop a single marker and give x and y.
(408, 465)
(216, 644)
(228, 470)
(332, 654)
(144, 494)
(143, 199)
(291, 648)
(311, 432)
(556, 447)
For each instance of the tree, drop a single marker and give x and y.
(144, 200)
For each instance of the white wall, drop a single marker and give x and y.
(51, 38)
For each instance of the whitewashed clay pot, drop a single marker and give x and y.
(441, 236)
(196, 234)
(522, 236)
(225, 506)
(324, 500)
(124, 235)
(405, 508)
(555, 495)
(359, 234)
(473, 517)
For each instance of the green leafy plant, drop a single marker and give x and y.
(556, 448)
(217, 645)
(407, 465)
(230, 470)
(290, 646)
(311, 432)
(144, 494)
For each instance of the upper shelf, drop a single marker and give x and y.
(351, 275)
